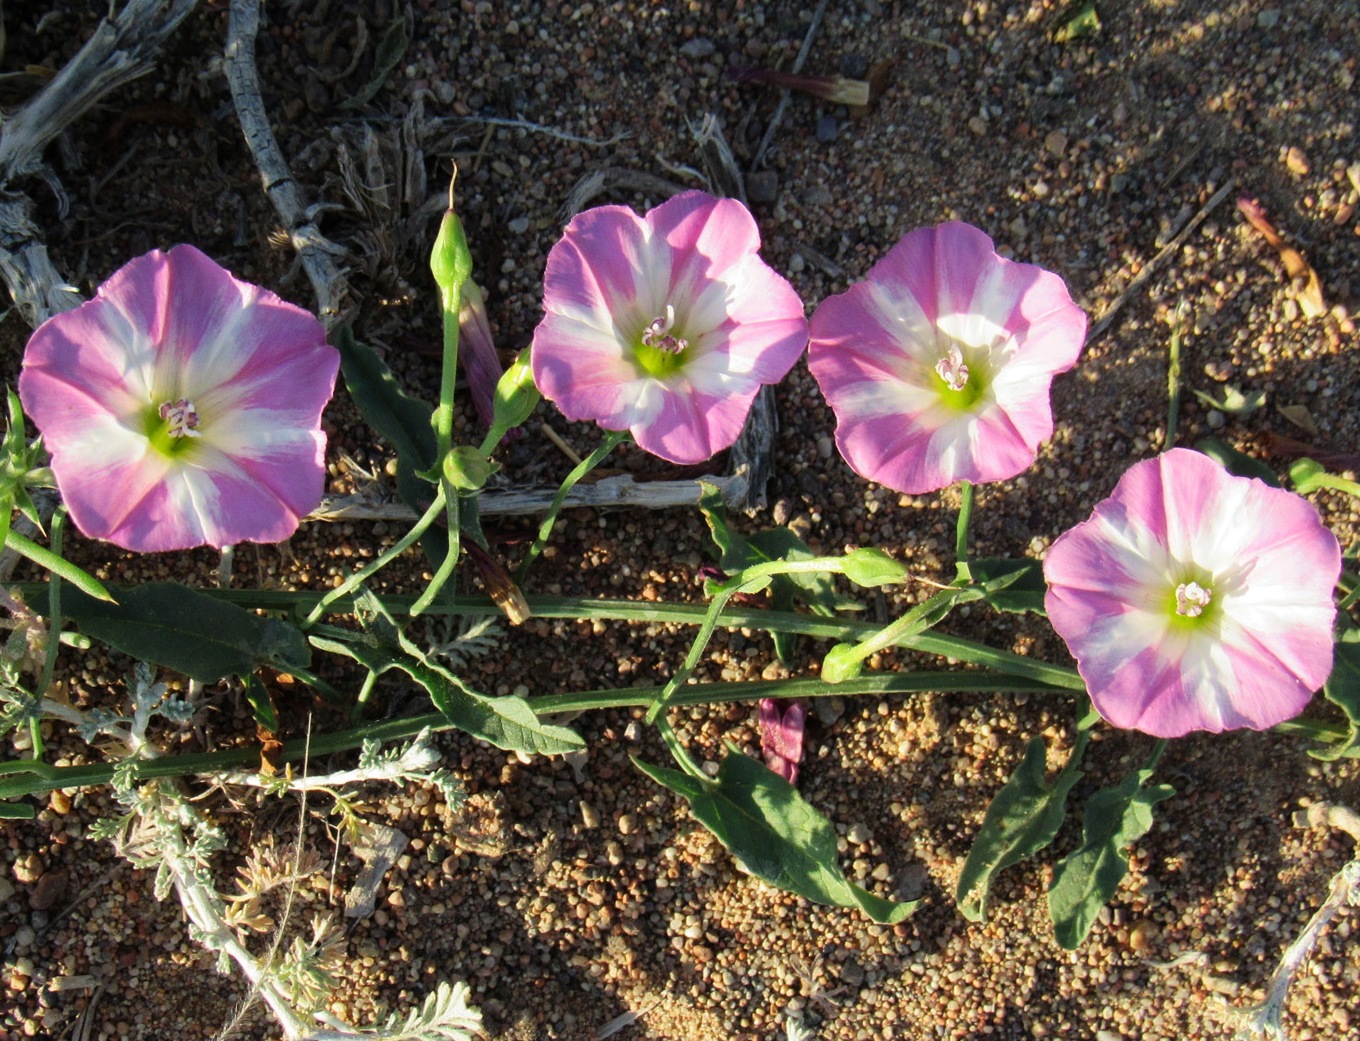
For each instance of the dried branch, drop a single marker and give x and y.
(612, 492)
(317, 252)
(120, 50)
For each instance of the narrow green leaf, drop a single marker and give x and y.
(1023, 818)
(1078, 21)
(815, 590)
(775, 833)
(1343, 689)
(391, 48)
(506, 722)
(395, 415)
(59, 566)
(400, 419)
(1009, 584)
(1235, 462)
(261, 703)
(1085, 879)
(187, 630)
(16, 811)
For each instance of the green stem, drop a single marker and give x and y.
(54, 628)
(638, 612)
(25, 777)
(965, 574)
(378, 563)
(1173, 380)
(1157, 749)
(613, 438)
(747, 580)
(450, 561)
(450, 301)
(920, 618)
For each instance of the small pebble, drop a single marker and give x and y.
(28, 869)
(590, 816)
(1269, 18)
(699, 47)
(826, 129)
(762, 186)
(854, 66)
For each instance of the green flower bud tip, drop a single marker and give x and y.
(842, 663)
(450, 259)
(516, 395)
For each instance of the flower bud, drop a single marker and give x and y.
(450, 259)
(467, 468)
(516, 398)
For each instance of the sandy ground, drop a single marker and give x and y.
(569, 900)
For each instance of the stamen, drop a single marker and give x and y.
(1191, 599)
(658, 334)
(952, 370)
(181, 417)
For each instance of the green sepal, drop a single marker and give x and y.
(842, 662)
(515, 399)
(869, 566)
(1308, 475)
(450, 257)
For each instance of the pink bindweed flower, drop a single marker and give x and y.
(182, 406)
(781, 736)
(665, 325)
(1196, 600)
(938, 363)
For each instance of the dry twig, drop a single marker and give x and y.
(120, 50)
(317, 252)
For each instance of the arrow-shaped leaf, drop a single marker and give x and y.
(774, 832)
(1085, 879)
(1023, 818)
(187, 630)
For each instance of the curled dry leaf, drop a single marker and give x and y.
(1305, 286)
(1300, 417)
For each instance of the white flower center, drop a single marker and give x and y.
(1191, 599)
(181, 418)
(951, 368)
(658, 333)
